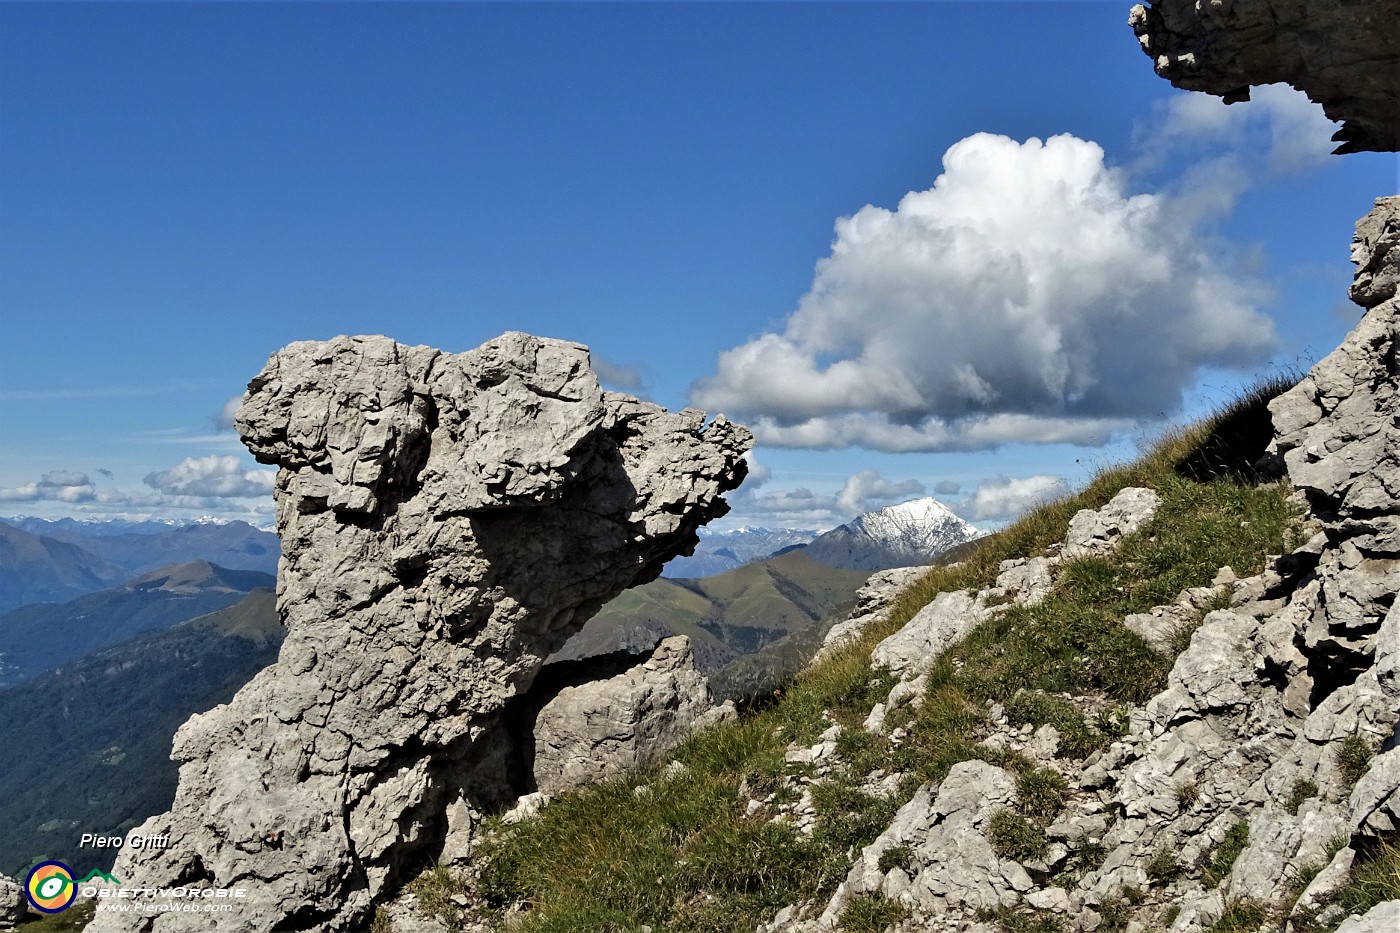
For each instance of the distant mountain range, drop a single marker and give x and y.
(719, 551)
(39, 636)
(54, 561)
(725, 616)
(95, 732)
(913, 532)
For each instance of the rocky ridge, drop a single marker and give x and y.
(1262, 742)
(447, 521)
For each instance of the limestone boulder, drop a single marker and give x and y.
(1098, 531)
(591, 731)
(13, 904)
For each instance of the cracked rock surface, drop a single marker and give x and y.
(13, 904)
(447, 522)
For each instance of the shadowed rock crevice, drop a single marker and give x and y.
(447, 522)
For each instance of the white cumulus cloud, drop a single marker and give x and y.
(1025, 296)
(1290, 132)
(53, 486)
(617, 376)
(802, 507)
(867, 489)
(1232, 147)
(1002, 498)
(212, 476)
(223, 418)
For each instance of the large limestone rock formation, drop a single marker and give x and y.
(447, 522)
(1342, 53)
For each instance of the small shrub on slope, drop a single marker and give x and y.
(1222, 859)
(1303, 791)
(1354, 755)
(1040, 794)
(1015, 837)
(871, 913)
(1240, 916)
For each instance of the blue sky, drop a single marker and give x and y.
(184, 188)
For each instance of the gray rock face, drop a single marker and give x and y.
(1336, 429)
(1344, 55)
(945, 620)
(1383, 918)
(952, 867)
(447, 521)
(1307, 657)
(1025, 581)
(1098, 531)
(13, 904)
(596, 730)
(872, 602)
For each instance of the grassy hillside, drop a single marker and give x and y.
(726, 616)
(38, 637)
(683, 856)
(97, 731)
(37, 568)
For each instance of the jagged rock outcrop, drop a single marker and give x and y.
(873, 600)
(1098, 531)
(588, 732)
(13, 904)
(447, 521)
(1341, 53)
(950, 859)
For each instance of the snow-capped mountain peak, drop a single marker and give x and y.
(910, 533)
(919, 525)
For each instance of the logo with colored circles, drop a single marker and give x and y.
(50, 887)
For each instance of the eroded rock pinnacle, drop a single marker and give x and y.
(447, 521)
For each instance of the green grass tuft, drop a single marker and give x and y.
(1241, 916)
(1163, 867)
(1040, 793)
(1015, 837)
(1024, 920)
(435, 889)
(871, 913)
(895, 857)
(1223, 857)
(1303, 790)
(1374, 879)
(1354, 754)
